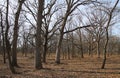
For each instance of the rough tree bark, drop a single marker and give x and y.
(38, 62)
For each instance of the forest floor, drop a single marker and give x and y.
(87, 67)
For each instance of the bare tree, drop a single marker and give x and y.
(71, 5)
(25, 43)
(79, 32)
(15, 34)
(7, 42)
(99, 19)
(110, 16)
(48, 33)
(38, 47)
(90, 42)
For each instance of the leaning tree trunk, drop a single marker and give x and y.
(105, 50)
(107, 38)
(15, 35)
(59, 43)
(68, 47)
(57, 59)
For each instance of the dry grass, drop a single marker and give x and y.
(77, 68)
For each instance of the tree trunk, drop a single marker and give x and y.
(3, 39)
(57, 59)
(105, 49)
(8, 46)
(107, 34)
(90, 45)
(89, 49)
(81, 46)
(98, 49)
(73, 47)
(0, 44)
(45, 46)
(8, 50)
(38, 62)
(104, 60)
(68, 49)
(15, 35)
(45, 51)
(82, 55)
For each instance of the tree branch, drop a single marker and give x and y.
(77, 28)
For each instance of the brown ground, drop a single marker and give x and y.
(78, 68)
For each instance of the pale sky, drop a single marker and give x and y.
(115, 29)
